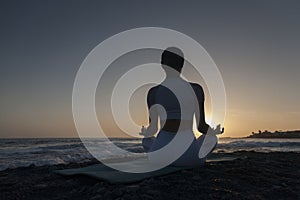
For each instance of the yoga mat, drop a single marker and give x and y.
(102, 172)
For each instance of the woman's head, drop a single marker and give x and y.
(173, 57)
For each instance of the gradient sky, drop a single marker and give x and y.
(255, 44)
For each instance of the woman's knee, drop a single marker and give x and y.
(147, 143)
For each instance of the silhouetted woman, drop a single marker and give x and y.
(172, 61)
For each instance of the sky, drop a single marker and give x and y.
(255, 45)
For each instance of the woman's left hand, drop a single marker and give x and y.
(217, 130)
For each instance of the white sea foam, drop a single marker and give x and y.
(16, 153)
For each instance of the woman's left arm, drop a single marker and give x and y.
(153, 122)
(153, 115)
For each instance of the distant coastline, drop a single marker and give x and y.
(275, 134)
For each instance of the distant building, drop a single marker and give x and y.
(276, 134)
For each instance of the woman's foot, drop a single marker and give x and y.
(208, 144)
(210, 141)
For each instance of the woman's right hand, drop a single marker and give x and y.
(143, 131)
(216, 131)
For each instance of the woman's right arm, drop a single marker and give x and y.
(202, 126)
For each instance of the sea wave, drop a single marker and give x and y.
(16, 153)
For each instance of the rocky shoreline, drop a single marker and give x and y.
(273, 175)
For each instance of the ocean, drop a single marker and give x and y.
(16, 153)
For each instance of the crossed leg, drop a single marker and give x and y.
(206, 144)
(147, 143)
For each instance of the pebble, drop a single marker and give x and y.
(97, 197)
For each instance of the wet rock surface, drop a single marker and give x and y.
(255, 176)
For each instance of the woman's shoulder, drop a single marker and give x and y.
(153, 89)
(196, 86)
(198, 91)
